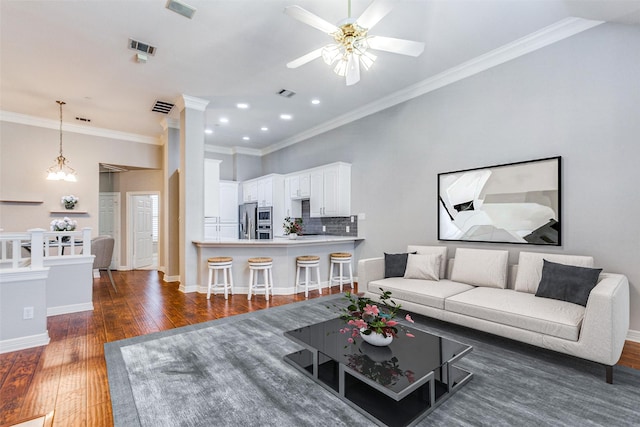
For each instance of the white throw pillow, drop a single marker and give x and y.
(433, 250)
(481, 267)
(423, 267)
(530, 268)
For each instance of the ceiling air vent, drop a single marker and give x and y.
(162, 107)
(142, 47)
(83, 119)
(181, 8)
(286, 93)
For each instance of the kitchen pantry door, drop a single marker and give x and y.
(142, 230)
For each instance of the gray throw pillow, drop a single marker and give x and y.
(395, 264)
(567, 282)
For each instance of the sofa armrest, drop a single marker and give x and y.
(606, 321)
(369, 269)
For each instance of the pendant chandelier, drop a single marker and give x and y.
(60, 170)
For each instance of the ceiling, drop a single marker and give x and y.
(235, 51)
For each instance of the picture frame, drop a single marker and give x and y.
(518, 203)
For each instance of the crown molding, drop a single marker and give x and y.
(553, 33)
(186, 101)
(232, 150)
(8, 116)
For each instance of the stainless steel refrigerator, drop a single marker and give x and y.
(248, 221)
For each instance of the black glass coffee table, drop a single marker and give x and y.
(396, 385)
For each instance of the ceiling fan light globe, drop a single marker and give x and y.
(367, 59)
(330, 54)
(341, 67)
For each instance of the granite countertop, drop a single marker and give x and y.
(278, 241)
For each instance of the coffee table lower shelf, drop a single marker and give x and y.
(378, 406)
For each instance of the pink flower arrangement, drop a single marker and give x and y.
(365, 316)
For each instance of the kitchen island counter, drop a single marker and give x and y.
(283, 251)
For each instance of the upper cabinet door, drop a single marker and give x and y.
(211, 187)
(228, 201)
(294, 187)
(265, 192)
(305, 185)
(316, 200)
(249, 191)
(331, 185)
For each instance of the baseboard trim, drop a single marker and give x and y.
(23, 343)
(66, 309)
(633, 335)
(171, 278)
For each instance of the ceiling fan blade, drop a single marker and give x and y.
(303, 15)
(305, 58)
(374, 13)
(400, 46)
(353, 70)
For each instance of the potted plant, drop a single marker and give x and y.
(374, 322)
(64, 224)
(69, 201)
(292, 227)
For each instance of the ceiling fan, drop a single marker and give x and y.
(352, 41)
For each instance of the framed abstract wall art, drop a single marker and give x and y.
(510, 203)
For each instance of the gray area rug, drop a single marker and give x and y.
(230, 372)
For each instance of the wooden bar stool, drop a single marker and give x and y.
(216, 264)
(339, 259)
(256, 265)
(308, 262)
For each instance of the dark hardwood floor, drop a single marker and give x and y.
(69, 376)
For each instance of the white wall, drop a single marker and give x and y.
(28, 151)
(578, 98)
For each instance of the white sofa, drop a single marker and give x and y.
(485, 293)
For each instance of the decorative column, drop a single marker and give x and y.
(191, 187)
(169, 253)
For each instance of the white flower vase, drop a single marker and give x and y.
(376, 339)
(293, 236)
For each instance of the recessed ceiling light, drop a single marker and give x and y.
(246, 138)
(264, 128)
(208, 131)
(286, 116)
(224, 120)
(242, 105)
(315, 101)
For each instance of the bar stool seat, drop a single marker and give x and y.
(220, 264)
(308, 262)
(256, 265)
(340, 259)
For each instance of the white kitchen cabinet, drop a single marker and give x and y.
(265, 192)
(300, 186)
(228, 201)
(330, 191)
(211, 187)
(292, 208)
(250, 191)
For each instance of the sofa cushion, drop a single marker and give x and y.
(530, 268)
(432, 250)
(521, 310)
(395, 264)
(481, 267)
(423, 267)
(425, 292)
(567, 282)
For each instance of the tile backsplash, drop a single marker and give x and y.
(335, 226)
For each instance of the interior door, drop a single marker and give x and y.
(109, 222)
(142, 231)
